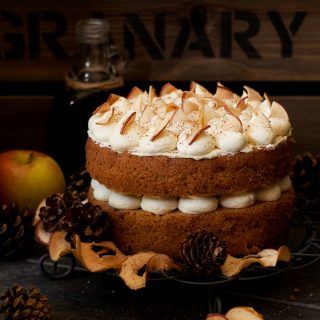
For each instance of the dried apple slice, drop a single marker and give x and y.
(253, 94)
(241, 104)
(58, 245)
(209, 113)
(243, 313)
(108, 115)
(267, 98)
(41, 235)
(188, 105)
(199, 89)
(151, 94)
(267, 258)
(223, 92)
(278, 111)
(98, 257)
(216, 316)
(106, 105)
(163, 124)
(134, 93)
(265, 106)
(171, 107)
(197, 134)
(167, 89)
(162, 262)
(130, 268)
(146, 115)
(36, 218)
(128, 121)
(232, 123)
(178, 116)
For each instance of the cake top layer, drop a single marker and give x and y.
(189, 124)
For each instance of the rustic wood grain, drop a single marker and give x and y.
(184, 61)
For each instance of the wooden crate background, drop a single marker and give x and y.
(168, 40)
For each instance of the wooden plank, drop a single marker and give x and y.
(168, 40)
(23, 122)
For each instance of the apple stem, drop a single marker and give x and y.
(30, 158)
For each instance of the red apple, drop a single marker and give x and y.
(27, 177)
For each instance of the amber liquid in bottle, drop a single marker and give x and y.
(91, 78)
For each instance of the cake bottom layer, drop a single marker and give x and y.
(247, 230)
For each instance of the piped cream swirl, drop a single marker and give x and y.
(255, 123)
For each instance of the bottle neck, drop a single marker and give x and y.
(91, 67)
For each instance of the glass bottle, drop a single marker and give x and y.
(95, 71)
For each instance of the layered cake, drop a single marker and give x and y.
(166, 165)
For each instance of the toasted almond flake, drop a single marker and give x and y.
(134, 93)
(197, 134)
(127, 122)
(167, 89)
(278, 111)
(110, 114)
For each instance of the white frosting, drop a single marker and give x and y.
(280, 127)
(192, 204)
(231, 141)
(196, 205)
(123, 201)
(285, 183)
(101, 132)
(270, 193)
(197, 108)
(237, 201)
(129, 138)
(159, 205)
(165, 142)
(202, 145)
(259, 130)
(100, 192)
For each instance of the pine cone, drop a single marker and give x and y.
(203, 253)
(54, 210)
(79, 183)
(87, 221)
(306, 173)
(15, 228)
(21, 304)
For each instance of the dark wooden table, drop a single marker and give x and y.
(294, 295)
